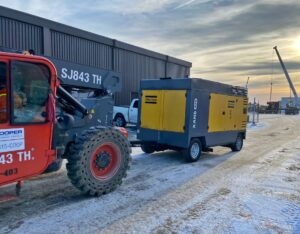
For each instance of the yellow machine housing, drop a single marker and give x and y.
(175, 112)
(163, 110)
(227, 113)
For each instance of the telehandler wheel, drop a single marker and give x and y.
(238, 144)
(148, 149)
(98, 160)
(193, 153)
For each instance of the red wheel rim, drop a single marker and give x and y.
(105, 161)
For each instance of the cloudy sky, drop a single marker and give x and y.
(226, 40)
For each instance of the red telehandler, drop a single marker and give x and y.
(41, 123)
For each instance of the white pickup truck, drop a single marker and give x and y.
(123, 115)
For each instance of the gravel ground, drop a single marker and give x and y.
(256, 190)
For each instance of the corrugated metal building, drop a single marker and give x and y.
(22, 31)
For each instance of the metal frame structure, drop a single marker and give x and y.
(286, 73)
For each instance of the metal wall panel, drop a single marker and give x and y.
(177, 71)
(79, 50)
(22, 31)
(133, 68)
(20, 36)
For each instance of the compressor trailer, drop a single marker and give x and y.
(191, 115)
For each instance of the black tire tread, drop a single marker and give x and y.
(79, 173)
(124, 121)
(186, 152)
(234, 146)
(148, 149)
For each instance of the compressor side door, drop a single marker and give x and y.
(25, 133)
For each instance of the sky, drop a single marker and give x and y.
(226, 40)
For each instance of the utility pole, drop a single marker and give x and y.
(253, 112)
(271, 90)
(257, 111)
(247, 82)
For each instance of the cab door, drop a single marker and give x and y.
(25, 132)
(133, 111)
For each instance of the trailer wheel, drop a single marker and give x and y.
(120, 121)
(238, 145)
(98, 161)
(193, 153)
(148, 149)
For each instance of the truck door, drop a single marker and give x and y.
(133, 111)
(25, 132)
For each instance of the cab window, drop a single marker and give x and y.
(30, 91)
(3, 93)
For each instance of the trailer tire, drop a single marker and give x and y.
(98, 160)
(193, 152)
(148, 149)
(238, 144)
(120, 120)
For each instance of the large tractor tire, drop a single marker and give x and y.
(98, 161)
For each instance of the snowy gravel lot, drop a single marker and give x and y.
(256, 190)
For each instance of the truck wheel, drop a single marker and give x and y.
(238, 145)
(148, 149)
(120, 121)
(98, 161)
(193, 153)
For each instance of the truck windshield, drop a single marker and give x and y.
(3, 93)
(30, 91)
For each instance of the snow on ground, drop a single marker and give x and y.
(255, 126)
(255, 190)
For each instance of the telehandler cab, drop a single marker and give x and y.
(42, 123)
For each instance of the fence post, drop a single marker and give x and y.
(257, 111)
(253, 112)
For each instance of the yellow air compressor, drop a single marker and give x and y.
(191, 115)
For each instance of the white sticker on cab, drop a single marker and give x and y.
(12, 140)
(11, 134)
(13, 145)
